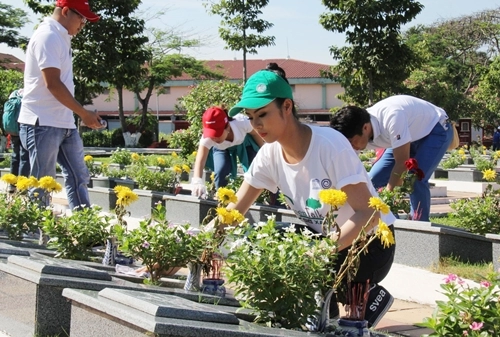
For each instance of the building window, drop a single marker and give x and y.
(464, 126)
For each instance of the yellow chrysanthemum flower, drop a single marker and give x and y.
(9, 178)
(226, 196)
(22, 183)
(461, 152)
(497, 153)
(465, 146)
(134, 156)
(186, 168)
(88, 158)
(125, 197)
(377, 204)
(161, 161)
(174, 155)
(484, 153)
(238, 217)
(385, 234)
(33, 182)
(47, 183)
(212, 177)
(57, 187)
(177, 169)
(332, 197)
(194, 153)
(228, 217)
(489, 175)
(119, 188)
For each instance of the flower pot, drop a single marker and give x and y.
(105, 182)
(354, 328)
(213, 287)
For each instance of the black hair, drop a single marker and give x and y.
(350, 120)
(275, 68)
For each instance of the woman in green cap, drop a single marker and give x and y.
(301, 160)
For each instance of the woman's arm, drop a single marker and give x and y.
(358, 197)
(246, 195)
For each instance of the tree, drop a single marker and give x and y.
(455, 55)
(239, 18)
(164, 65)
(11, 20)
(10, 80)
(376, 60)
(488, 91)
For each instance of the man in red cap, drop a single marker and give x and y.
(47, 125)
(226, 139)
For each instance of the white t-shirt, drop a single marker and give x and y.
(49, 47)
(402, 119)
(330, 162)
(240, 125)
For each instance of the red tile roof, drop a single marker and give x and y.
(233, 69)
(8, 61)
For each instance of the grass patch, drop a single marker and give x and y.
(447, 221)
(471, 271)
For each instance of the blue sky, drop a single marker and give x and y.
(296, 28)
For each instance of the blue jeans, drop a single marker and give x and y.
(20, 160)
(47, 146)
(223, 164)
(428, 152)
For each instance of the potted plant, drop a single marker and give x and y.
(162, 247)
(19, 213)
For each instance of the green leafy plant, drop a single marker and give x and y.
(73, 236)
(479, 215)
(121, 156)
(469, 311)
(161, 245)
(268, 270)
(20, 213)
(160, 181)
(94, 170)
(455, 159)
(185, 140)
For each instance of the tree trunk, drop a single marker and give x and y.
(244, 58)
(121, 114)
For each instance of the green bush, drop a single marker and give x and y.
(97, 138)
(479, 215)
(74, 236)
(185, 140)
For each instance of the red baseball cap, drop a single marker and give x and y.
(80, 6)
(214, 122)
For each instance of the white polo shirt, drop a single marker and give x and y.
(240, 125)
(49, 47)
(402, 119)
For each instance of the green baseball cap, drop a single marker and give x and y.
(262, 88)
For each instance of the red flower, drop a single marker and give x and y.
(411, 164)
(420, 174)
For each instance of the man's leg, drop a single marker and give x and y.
(222, 166)
(14, 159)
(381, 170)
(75, 172)
(428, 152)
(42, 143)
